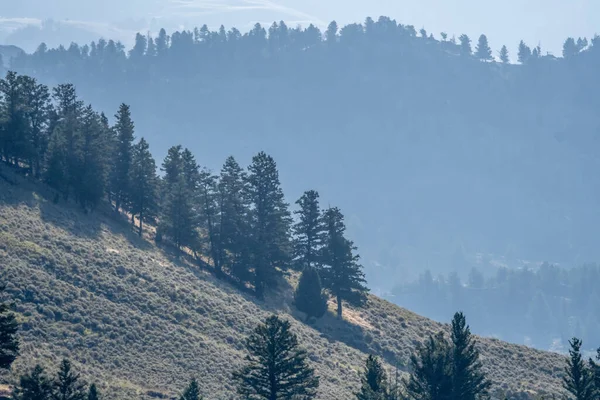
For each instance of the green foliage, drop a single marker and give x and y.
(34, 386)
(430, 370)
(374, 381)
(68, 385)
(143, 194)
(276, 367)
(308, 231)
(578, 381)
(270, 222)
(9, 342)
(309, 297)
(468, 379)
(192, 392)
(93, 393)
(120, 176)
(342, 274)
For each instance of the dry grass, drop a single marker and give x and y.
(141, 322)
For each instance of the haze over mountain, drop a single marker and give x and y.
(546, 22)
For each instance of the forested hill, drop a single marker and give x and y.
(140, 320)
(433, 148)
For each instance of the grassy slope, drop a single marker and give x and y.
(138, 320)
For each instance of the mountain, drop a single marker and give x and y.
(141, 320)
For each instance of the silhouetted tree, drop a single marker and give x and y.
(578, 380)
(483, 51)
(270, 222)
(309, 297)
(465, 45)
(276, 367)
(68, 385)
(342, 274)
(430, 371)
(120, 183)
(34, 386)
(374, 381)
(9, 342)
(570, 48)
(503, 54)
(468, 379)
(93, 393)
(144, 185)
(192, 392)
(308, 231)
(524, 53)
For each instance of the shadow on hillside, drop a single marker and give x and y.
(17, 189)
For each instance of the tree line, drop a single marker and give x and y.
(238, 219)
(545, 303)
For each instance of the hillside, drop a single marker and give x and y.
(141, 322)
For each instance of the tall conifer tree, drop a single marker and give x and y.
(578, 381)
(9, 343)
(308, 231)
(342, 274)
(68, 385)
(309, 297)
(374, 381)
(120, 182)
(144, 185)
(34, 386)
(276, 367)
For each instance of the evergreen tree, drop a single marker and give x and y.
(483, 51)
(524, 53)
(233, 221)
(374, 381)
(430, 371)
(38, 114)
(14, 132)
(178, 216)
(209, 218)
(570, 48)
(144, 185)
(465, 45)
(192, 392)
(67, 385)
(504, 55)
(120, 183)
(578, 380)
(270, 222)
(34, 386)
(93, 393)
(276, 367)
(9, 343)
(342, 274)
(309, 297)
(93, 163)
(595, 370)
(308, 231)
(468, 380)
(55, 174)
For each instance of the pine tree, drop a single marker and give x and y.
(67, 385)
(209, 210)
(430, 371)
(504, 55)
(309, 297)
(342, 274)
(233, 221)
(178, 216)
(93, 393)
(465, 45)
(595, 370)
(483, 51)
(524, 53)
(192, 392)
(144, 185)
(55, 174)
(276, 367)
(308, 231)
(9, 342)
(120, 183)
(34, 386)
(270, 222)
(468, 380)
(578, 380)
(374, 381)
(14, 132)
(38, 114)
(570, 48)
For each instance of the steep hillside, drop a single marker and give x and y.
(141, 322)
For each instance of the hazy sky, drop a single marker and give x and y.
(548, 22)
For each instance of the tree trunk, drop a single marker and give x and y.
(339, 307)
